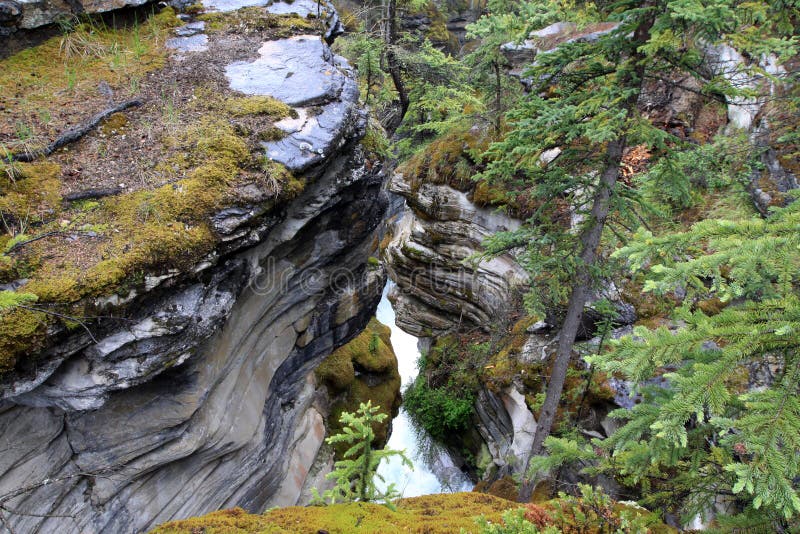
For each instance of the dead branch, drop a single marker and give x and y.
(60, 316)
(92, 193)
(74, 134)
(21, 244)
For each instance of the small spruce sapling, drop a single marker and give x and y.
(356, 475)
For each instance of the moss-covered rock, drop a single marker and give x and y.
(449, 159)
(431, 514)
(202, 149)
(363, 369)
(257, 20)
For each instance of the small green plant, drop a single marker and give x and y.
(440, 411)
(23, 130)
(272, 177)
(356, 475)
(72, 78)
(170, 109)
(12, 299)
(135, 84)
(514, 522)
(80, 39)
(9, 165)
(45, 116)
(138, 47)
(374, 344)
(592, 512)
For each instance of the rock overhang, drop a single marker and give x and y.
(302, 72)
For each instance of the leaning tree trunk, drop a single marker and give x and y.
(393, 65)
(590, 240)
(580, 294)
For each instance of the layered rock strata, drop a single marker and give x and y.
(203, 397)
(439, 284)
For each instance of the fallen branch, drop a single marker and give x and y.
(74, 134)
(21, 244)
(92, 193)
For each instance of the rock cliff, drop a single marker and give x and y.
(443, 287)
(181, 387)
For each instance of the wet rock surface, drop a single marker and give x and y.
(303, 72)
(298, 71)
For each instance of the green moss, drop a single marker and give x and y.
(56, 288)
(371, 354)
(446, 160)
(505, 488)
(430, 514)
(271, 134)
(194, 9)
(258, 105)
(20, 331)
(33, 194)
(438, 32)
(166, 227)
(337, 371)
(256, 19)
(114, 124)
(375, 141)
(50, 78)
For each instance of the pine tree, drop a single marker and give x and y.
(356, 474)
(742, 437)
(584, 103)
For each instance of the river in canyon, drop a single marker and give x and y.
(434, 470)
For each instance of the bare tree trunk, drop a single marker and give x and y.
(393, 65)
(590, 240)
(580, 294)
(498, 97)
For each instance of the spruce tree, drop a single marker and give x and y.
(717, 417)
(356, 474)
(731, 408)
(584, 103)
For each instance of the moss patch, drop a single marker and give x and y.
(446, 160)
(258, 105)
(257, 20)
(431, 514)
(363, 369)
(40, 87)
(29, 192)
(20, 331)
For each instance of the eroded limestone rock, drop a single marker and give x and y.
(201, 396)
(437, 286)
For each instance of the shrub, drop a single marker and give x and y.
(437, 410)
